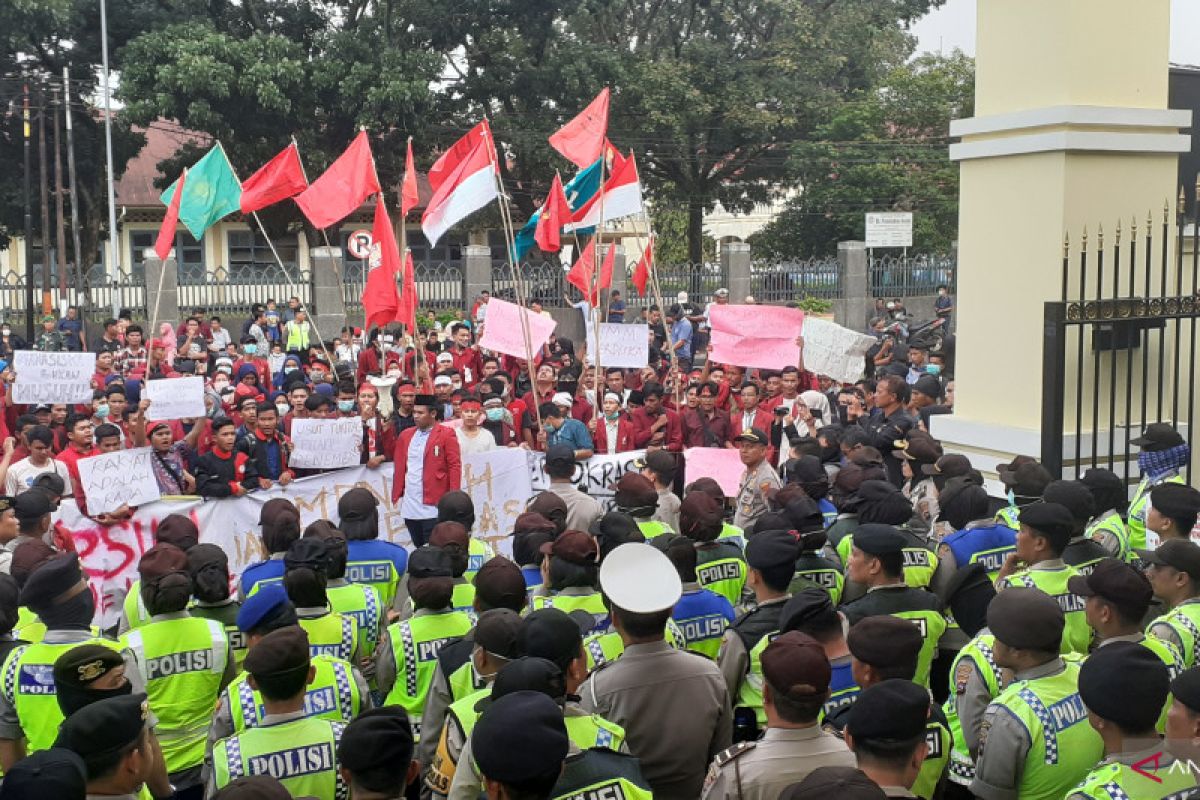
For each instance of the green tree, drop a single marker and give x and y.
(884, 151)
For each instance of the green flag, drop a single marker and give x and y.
(210, 192)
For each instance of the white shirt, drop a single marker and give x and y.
(218, 340)
(481, 442)
(412, 505)
(610, 432)
(22, 474)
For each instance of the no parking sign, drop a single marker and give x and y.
(359, 244)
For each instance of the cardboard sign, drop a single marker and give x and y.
(117, 479)
(503, 332)
(53, 377)
(722, 465)
(498, 482)
(175, 398)
(624, 345)
(326, 443)
(830, 349)
(756, 336)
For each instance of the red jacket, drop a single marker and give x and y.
(762, 421)
(641, 421)
(442, 464)
(625, 436)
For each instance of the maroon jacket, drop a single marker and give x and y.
(442, 464)
(641, 420)
(625, 436)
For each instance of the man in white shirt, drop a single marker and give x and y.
(471, 437)
(22, 474)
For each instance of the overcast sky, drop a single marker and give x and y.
(953, 25)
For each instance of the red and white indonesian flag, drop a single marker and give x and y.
(622, 198)
(469, 187)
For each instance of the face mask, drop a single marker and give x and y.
(495, 414)
(933, 369)
(249, 349)
(6, 331)
(102, 412)
(345, 405)
(282, 408)
(393, 373)
(613, 415)
(457, 384)
(220, 385)
(288, 370)
(318, 376)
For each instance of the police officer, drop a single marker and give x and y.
(371, 560)
(1110, 498)
(844, 783)
(1183, 715)
(720, 564)
(297, 750)
(174, 529)
(702, 615)
(457, 506)
(456, 541)
(570, 571)
(1117, 598)
(376, 753)
(877, 562)
(57, 772)
(1046, 529)
(1035, 741)
(759, 479)
(796, 685)
(977, 537)
(884, 504)
(811, 611)
(58, 593)
(1173, 569)
(813, 566)
(208, 566)
(280, 523)
(1081, 552)
(1163, 454)
(358, 600)
(520, 740)
(112, 737)
(306, 563)
(1025, 480)
(886, 730)
(185, 661)
(1171, 513)
(635, 495)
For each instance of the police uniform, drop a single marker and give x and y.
(380, 739)
(374, 562)
(101, 730)
(975, 681)
(884, 642)
(1156, 437)
(1110, 532)
(575, 547)
(702, 615)
(520, 737)
(751, 502)
(1035, 739)
(721, 568)
(1180, 626)
(891, 711)
(297, 750)
(794, 664)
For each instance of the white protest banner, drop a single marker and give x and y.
(624, 345)
(830, 349)
(721, 464)
(175, 398)
(503, 333)
(756, 336)
(120, 478)
(326, 443)
(594, 476)
(53, 377)
(498, 482)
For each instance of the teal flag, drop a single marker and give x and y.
(578, 190)
(210, 192)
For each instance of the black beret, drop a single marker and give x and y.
(1175, 500)
(530, 674)
(803, 606)
(772, 549)
(885, 641)
(105, 727)
(357, 504)
(379, 737)
(1125, 683)
(1027, 619)
(48, 584)
(1048, 519)
(267, 609)
(519, 738)
(430, 562)
(76, 670)
(842, 783)
(894, 710)
(879, 540)
(32, 505)
(552, 634)
(56, 773)
(1186, 688)
(279, 651)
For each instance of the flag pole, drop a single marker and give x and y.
(162, 272)
(656, 290)
(404, 260)
(597, 380)
(304, 173)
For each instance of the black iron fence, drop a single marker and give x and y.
(543, 282)
(791, 281)
(439, 286)
(128, 288)
(911, 276)
(700, 281)
(233, 292)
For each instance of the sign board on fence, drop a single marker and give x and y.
(498, 482)
(175, 398)
(53, 377)
(121, 478)
(503, 332)
(756, 336)
(326, 443)
(830, 349)
(889, 229)
(624, 345)
(721, 464)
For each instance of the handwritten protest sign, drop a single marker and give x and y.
(112, 480)
(503, 332)
(756, 336)
(53, 377)
(175, 398)
(723, 466)
(595, 476)
(498, 482)
(830, 349)
(326, 443)
(624, 345)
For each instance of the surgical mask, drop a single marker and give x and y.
(345, 405)
(220, 385)
(282, 408)
(494, 414)
(612, 416)
(456, 384)
(249, 349)
(6, 331)
(317, 375)
(393, 373)
(933, 369)
(102, 411)
(289, 370)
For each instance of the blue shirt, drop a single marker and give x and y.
(264, 572)
(572, 432)
(616, 311)
(72, 328)
(681, 331)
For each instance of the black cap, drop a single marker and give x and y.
(105, 727)
(1186, 688)
(1121, 584)
(615, 528)
(929, 386)
(308, 553)
(803, 606)
(530, 674)
(1052, 520)
(267, 609)
(894, 710)
(552, 634)
(77, 669)
(430, 562)
(1181, 554)
(377, 738)
(280, 651)
(1158, 436)
(54, 582)
(772, 549)
(1125, 683)
(498, 631)
(885, 641)
(660, 462)
(520, 738)
(752, 435)
(254, 787)
(1175, 500)
(842, 783)
(426, 400)
(560, 454)
(951, 465)
(1028, 479)
(500, 584)
(358, 511)
(1027, 619)
(879, 540)
(56, 773)
(32, 504)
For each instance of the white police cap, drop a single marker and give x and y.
(639, 578)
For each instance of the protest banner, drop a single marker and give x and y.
(722, 465)
(624, 345)
(53, 377)
(326, 443)
(503, 333)
(830, 349)
(175, 398)
(756, 336)
(120, 478)
(595, 476)
(498, 482)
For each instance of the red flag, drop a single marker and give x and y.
(556, 211)
(458, 152)
(582, 139)
(166, 233)
(641, 273)
(349, 181)
(408, 192)
(381, 301)
(469, 188)
(606, 269)
(408, 295)
(280, 178)
(581, 272)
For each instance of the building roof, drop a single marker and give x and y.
(164, 138)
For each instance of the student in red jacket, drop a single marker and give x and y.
(428, 464)
(613, 432)
(222, 471)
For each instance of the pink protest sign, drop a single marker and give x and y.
(754, 336)
(722, 465)
(502, 331)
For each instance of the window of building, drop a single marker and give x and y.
(188, 252)
(250, 255)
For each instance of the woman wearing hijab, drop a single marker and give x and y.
(208, 566)
(291, 366)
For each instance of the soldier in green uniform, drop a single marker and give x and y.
(1173, 569)
(1124, 688)
(1107, 527)
(112, 736)
(50, 340)
(796, 685)
(1163, 454)
(376, 753)
(887, 730)
(1035, 741)
(297, 750)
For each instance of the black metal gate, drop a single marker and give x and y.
(1126, 329)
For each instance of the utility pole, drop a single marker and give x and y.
(114, 248)
(80, 270)
(44, 180)
(28, 200)
(61, 226)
